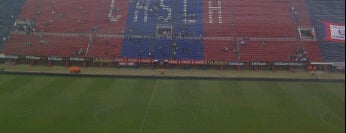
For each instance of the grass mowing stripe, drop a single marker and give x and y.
(211, 96)
(55, 88)
(5, 79)
(14, 84)
(303, 94)
(69, 104)
(28, 90)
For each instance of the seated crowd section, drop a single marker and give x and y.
(210, 30)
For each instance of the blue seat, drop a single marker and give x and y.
(332, 11)
(8, 8)
(167, 14)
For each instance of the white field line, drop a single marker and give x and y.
(148, 108)
(106, 126)
(326, 111)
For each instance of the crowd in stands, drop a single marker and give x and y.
(301, 55)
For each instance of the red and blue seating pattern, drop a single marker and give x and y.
(332, 11)
(164, 29)
(9, 11)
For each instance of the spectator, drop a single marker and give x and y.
(263, 42)
(42, 42)
(235, 51)
(37, 12)
(149, 54)
(225, 49)
(85, 12)
(244, 41)
(94, 29)
(312, 35)
(293, 8)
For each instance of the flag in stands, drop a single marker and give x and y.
(334, 32)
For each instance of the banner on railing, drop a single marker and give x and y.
(174, 62)
(333, 32)
(338, 64)
(55, 58)
(32, 57)
(133, 60)
(118, 59)
(199, 62)
(146, 61)
(11, 57)
(236, 63)
(288, 64)
(186, 62)
(76, 59)
(217, 63)
(104, 60)
(127, 64)
(258, 63)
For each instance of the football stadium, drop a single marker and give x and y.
(172, 66)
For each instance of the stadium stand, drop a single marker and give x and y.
(47, 45)
(115, 19)
(332, 11)
(8, 14)
(105, 47)
(165, 22)
(219, 50)
(66, 16)
(261, 19)
(208, 30)
(14, 45)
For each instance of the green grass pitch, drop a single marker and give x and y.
(47, 104)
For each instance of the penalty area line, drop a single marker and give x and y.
(327, 110)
